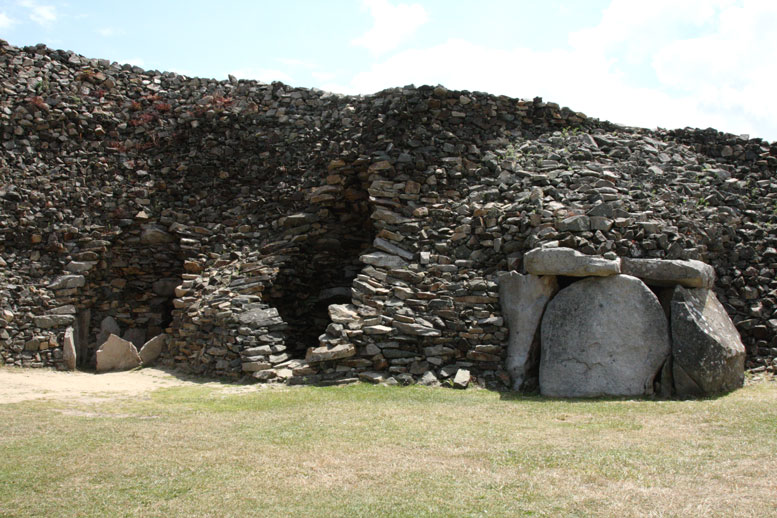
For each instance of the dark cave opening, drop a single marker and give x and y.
(317, 275)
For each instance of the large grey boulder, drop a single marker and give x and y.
(523, 299)
(566, 261)
(603, 337)
(708, 355)
(663, 272)
(117, 354)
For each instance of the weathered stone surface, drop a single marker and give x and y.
(566, 261)
(154, 235)
(136, 335)
(326, 353)
(603, 337)
(260, 317)
(68, 281)
(117, 354)
(49, 321)
(523, 299)
(383, 260)
(152, 349)
(708, 355)
(663, 272)
(429, 379)
(69, 349)
(462, 379)
(343, 313)
(108, 326)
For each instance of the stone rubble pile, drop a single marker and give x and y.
(294, 235)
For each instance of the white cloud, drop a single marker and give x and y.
(323, 77)
(43, 15)
(392, 25)
(266, 75)
(6, 21)
(723, 75)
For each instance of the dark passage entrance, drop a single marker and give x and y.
(319, 273)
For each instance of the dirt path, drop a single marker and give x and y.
(26, 384)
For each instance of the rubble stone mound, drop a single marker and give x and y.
(290, 235)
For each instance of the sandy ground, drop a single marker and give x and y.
(45, 384)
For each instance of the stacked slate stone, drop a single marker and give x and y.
(356, 237)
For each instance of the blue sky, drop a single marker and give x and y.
(658, 63)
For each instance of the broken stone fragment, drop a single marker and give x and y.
(383, 260)
(708, 355)
(68, 281)
(462, 379)
(566, 261)
(662, 272)
(326, 353)
(343, 313)
(603, 337)
(523, 299)
(152, 349)
(117, 354)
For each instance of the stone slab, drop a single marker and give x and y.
(708, 354)
(523, 299)
(566, 261)
(663, 272)
(603, 337)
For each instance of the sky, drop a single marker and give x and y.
(656, 63)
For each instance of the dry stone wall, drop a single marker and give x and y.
(296, 235)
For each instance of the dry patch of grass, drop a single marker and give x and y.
(389, 451)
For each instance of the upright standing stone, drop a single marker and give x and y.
(523, 299)
(152, 349)
(69, 349)
(708, 355)
(603, 337)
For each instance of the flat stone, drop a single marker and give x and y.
(383, 260)
(343, 313)
(64, 282)
(80, 266)
(260, 317)
(50, 321)
(663, 272)
(523, 299)
(416, 329)
(327, 353)
(117, 354)
(462, 379)
(152, 349)
(387, 246)
(707, 351)
(603, 337)
(256, 366)
(566, 261)
(154, 235)
(69, 349)
(574, 224)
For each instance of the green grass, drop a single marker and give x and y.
(389, 451)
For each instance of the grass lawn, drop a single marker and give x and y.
(389, 451)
